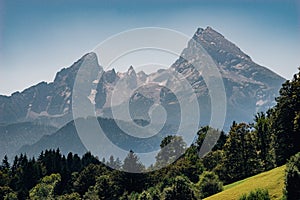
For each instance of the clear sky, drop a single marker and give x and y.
(38, 38)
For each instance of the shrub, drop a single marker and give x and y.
(292, 178)
(180, 189)
(258, 194)
(209, 184)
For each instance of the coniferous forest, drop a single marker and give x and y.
(272, 139)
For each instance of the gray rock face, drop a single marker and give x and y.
(46, 107)
(45, 102)
(249, 87)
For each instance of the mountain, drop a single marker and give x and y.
(56, 140)
(249, 88)
(111, 129)
(14, 136)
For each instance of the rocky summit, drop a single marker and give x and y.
(249, 88)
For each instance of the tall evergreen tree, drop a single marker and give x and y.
(133, 179)
(132, 163)
(286, 120)
(263, 140)
(240, 154)
(172, 147)
(5, 166)
(292, 178)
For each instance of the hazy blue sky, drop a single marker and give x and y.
(38, 38)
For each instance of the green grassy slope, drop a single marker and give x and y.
(272, 180)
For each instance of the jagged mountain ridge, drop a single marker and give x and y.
(249, 87)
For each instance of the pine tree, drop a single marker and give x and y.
(292, 178)
(286, 120)
(132, 163)
(263, 140)
(240, 153)
(5, 165)
(172, 147)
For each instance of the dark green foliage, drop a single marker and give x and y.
(105, 188)
(88, 158)
(240, 153)
(172, 147)
(213, 138)
(221, 141)
(145, 195)
(212, 160)
(292, 178)
(132, 163)
(24, 175)
(87, 177)
(4, 178)
(45, 189)
(72, 196)
(258, 194)
(180, 189)
(263, 137)
(209, 184)
(5, 165)
(114, 164)
(286, 120)
(153, 192)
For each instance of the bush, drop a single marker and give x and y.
(209, 184)
(150, 194)
(73, 196)
(258, 194)
(145, 196)
(292, 178)
(180, 189)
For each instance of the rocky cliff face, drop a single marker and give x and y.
(47, 107)
(249, 87)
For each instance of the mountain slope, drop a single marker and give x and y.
(67, 139)
(249, 87)
(14, 136)
(45, 102)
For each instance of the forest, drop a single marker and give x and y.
(272, 139)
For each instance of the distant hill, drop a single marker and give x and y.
(14, 136)
(67, 139)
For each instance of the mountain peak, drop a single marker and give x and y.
(130, 70)
(218, 46)
(90, 55)
(110, 76)
(211, 31)
(199, 31)
(207, 32)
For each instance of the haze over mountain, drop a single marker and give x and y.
(249, 88)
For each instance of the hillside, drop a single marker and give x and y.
(110, 128)
(14, 136)
(272, 180)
